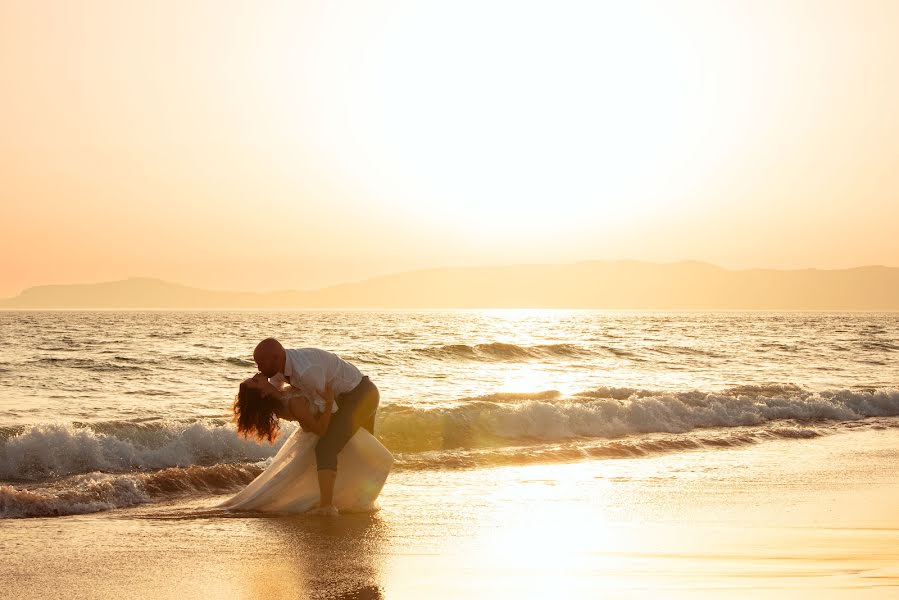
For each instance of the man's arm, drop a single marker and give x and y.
(318, 387)
(324, 419)
(309, 422)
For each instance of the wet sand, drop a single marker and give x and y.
(787, 518)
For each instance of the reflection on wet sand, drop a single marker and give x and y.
(322, 557)
(280, 555)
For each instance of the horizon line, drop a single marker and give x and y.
(435, 268)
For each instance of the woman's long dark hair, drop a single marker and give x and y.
(254, 414)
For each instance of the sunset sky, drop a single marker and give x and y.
(271, 145)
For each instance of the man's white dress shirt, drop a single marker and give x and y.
(311, 369)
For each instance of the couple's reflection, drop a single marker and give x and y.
(364, 593)
(329, 557)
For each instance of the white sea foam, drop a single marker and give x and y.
(615, 412)
(60, 469)
(53, 450)
(95, 492)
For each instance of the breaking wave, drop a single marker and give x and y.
(95, 492)
(57, 450)
(55, 469)
(609, 413)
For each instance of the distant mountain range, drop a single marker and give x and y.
(623, 284)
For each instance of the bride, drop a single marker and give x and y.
(290, 482)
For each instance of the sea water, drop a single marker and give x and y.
(104, 409)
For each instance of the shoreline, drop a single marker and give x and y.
(790, 517)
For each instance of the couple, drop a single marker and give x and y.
(335, 406)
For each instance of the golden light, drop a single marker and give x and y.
(505, 119)
(424, 134)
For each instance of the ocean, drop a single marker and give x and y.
(108, 410)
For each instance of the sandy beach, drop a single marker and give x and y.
(788, 518)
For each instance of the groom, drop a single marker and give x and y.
(311, 370)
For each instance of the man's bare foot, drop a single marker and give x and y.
(325, 511)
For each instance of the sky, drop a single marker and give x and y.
(289, 145)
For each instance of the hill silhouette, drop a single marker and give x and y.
(623, 284)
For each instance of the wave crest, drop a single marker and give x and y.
(56, 450)
(95, 492)
(610, 413)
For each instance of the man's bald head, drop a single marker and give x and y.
(269, 356)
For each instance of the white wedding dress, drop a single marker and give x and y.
(290, 482)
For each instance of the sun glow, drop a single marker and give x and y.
(529, 119)
(428, 134)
